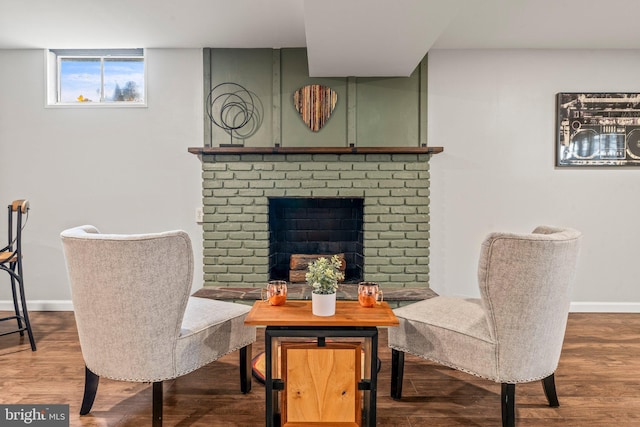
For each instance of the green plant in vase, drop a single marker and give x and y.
(323, 275)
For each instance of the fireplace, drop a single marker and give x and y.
(316, 225)
(244, 188)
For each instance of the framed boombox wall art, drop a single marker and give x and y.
(598, 129)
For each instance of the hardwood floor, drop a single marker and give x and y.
(598, 384)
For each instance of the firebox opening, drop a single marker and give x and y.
(315, 226)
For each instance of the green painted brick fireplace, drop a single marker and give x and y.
(395, 193)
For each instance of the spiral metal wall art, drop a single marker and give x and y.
(234, 109)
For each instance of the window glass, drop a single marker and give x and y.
(80, 80)
(123, 80)
(96, 76)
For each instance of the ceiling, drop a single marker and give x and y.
(342, 37)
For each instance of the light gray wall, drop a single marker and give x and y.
(128, 170)
(124, 170)
(494, 113)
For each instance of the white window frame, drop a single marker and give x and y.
(53, 61)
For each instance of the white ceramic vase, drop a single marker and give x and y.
(323, 305)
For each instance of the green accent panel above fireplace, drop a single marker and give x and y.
(370, 112)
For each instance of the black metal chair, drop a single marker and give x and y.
(11, 262)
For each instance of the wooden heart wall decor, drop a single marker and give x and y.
(315, 103)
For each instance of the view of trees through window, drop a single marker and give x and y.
(104, 79)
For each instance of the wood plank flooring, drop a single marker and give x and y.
(598, 384)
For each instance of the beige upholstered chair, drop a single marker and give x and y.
(514, 332)
(135, 318)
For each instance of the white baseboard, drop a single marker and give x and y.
(40, 305)
(605, 307)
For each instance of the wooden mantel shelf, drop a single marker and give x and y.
(314, 150)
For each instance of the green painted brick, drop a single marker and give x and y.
(257, 244)
(273, 175)
(323, 192)
(249, 176)
(225, 192)
(215, 236)
(257, 278)
(232, 278)
(289, 183)
(255, 226)
(300, 175)
(380, 175)
(339, 184)
(339, 166)
(372, 244)
(299, 158)
(403, 226)
(313, 184)
(420, 254)
(241, 252)
(215, 269)
(228, 244)
(408, 211)
(210, 166)
(241, 269)
(391, 269)
(417, 184)
(376, 209)
(391, 201)
(325, 158)
(390, 252)
(374, 226)
(228, 226)
(380, 158)
(350, 192)
(391, 167)
(212, 252)
(326, 175)
(235, 184)
(263, 166)
(251, 192)
(212, 184)
(417, 269)
(391, 235)
(287, 166)
(419, 166)
(241, 201)
(220, 176)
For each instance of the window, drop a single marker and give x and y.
(96, 77)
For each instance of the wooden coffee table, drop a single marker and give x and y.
(314, 362)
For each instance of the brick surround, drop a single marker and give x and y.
(236, 192)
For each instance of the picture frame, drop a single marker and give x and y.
(597, 129)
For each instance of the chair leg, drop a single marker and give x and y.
(245, 369)
(157, 404)
(508, 405)
(549, 385)
(18, 293)
(397, 373)
(91, 381)
(25, 313)
(16, 309)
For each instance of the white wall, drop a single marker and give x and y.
(493, 111)
(124, 170)
(128, 170)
